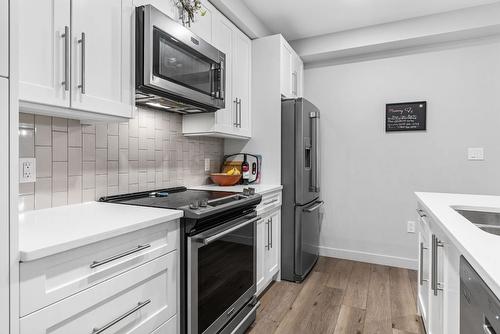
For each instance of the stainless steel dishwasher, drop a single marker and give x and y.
(479, 307)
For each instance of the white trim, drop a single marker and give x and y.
(354, 255)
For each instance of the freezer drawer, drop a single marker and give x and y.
(307, 227)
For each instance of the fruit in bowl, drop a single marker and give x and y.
(229, 178)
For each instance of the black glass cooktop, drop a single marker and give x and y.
(174, 198)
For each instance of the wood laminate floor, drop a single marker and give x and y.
(342, 297)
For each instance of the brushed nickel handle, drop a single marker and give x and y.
(436, 243)
(239, 113)
(82, 84)
(118, 256)
(422, 248)
(236, 113)
(66, 37)
(271, 229)
(268, 233)
(120, 318)
(271, 201)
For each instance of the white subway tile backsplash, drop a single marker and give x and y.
(112, 173)
(88, 147)
(59, 124)
(43, 193)
(59, 146)
(101, 188)
(74, 161)
(60, 176)
(89, 175)
(78, 163)
(26, 143)
(74, 133)
(101, 161)
(112, 147)
(43, 155)
(43, 130)
(74, 189)
(59, 198)
(101, 135)
(113, 129)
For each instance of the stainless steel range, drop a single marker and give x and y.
(218, 255)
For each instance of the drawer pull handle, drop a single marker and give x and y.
(118, 256)
(120, 318)
(271, 201)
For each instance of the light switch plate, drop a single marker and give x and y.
(207, 164)
(475, 153)
(411, 227)
(27, 170)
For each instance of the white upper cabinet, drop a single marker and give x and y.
(102, 56)
(241, 83)
(234, 121)
(292, 72)
(44, 51)
(77, 55)
(4, 38)
(286, 70)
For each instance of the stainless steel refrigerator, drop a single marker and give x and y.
(300, 170)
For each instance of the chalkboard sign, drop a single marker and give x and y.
(409, 116)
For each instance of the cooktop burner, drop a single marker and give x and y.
(195, 203)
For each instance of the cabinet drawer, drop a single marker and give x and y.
(136, 302)
(170, 327)
(50, 279)
(269, 202)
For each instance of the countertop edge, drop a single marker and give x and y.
(33, 255)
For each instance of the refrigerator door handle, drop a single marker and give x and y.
(314, 207)
(315, 137)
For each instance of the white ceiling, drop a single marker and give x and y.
(305, 18)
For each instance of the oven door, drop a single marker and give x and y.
(179, 63)
(221, 273)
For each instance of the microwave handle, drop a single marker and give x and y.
(222, 82)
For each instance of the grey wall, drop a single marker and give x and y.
(369, 176)
(78, 163)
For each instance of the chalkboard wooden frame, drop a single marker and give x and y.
(422, 116)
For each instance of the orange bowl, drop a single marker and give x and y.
(222, 179)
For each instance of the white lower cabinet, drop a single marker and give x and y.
(439, 278)
(268, 241)
(127, 290)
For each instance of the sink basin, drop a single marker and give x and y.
(486, 220)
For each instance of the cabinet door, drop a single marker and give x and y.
(44, 51)
(4, 38)
(202, 25)
(102, 56)
(423, 274)
(223, 40)
(241, 82)
(261, 245)
(273, 244)
(286, 70)
(298, 77)
(4, 206)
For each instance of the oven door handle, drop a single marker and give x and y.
(212, 238)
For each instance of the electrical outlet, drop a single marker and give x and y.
(475, 153)
(27, 170)
(411, 227)
(207, 164)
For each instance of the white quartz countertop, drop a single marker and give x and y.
(480, 248)
(259, 188)
(50, 231)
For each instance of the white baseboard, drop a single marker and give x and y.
(386, 260)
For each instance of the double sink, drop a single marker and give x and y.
(487, 221)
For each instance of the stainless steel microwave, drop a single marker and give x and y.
(175, 69)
